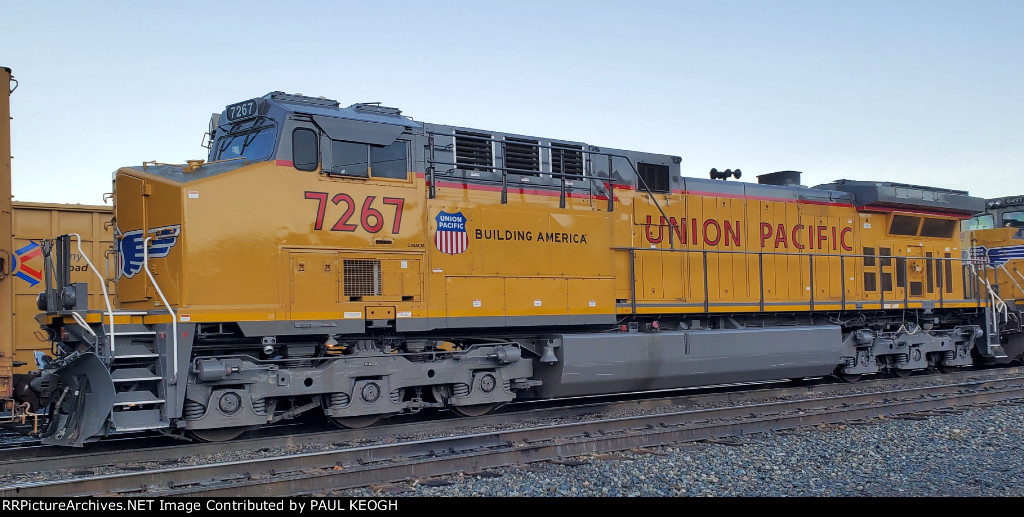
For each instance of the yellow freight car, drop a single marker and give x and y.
(22, 345)
(6, 252)
(33, 223)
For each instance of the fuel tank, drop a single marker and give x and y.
(591, 364)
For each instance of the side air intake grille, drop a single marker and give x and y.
(654, 176)
(362, 278)
(473, 151)
(522, 155)
(572, 156)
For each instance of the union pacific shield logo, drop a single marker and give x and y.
(1004, 254)
(978, 255)
(451, 236)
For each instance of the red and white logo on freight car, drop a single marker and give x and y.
(451, 236)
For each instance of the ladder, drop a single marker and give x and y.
(132, 354)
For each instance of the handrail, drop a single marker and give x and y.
(192, 165)
(174, 317)
(997, 303)
(103, 286)
(784, 253)
(1014, 280)
(81, 323)
(431, 162)
(843, 301)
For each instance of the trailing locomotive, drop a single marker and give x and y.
(997, 251)
(356, 262)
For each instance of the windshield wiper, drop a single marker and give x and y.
(250, 135)
(224, 141)
(253, 134)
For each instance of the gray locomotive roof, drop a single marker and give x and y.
(901, 195)
(386, 124)
(758, 190)
(331, 108)
(367, 123)
(349, 113)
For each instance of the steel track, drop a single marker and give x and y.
(25, 458)
(349, 467)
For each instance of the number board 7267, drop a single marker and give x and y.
(242, 110)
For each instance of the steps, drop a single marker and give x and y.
(135, 398)
(137, 372)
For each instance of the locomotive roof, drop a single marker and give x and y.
(999, 202)
(375, 124)
(365, 112)
(868, 194)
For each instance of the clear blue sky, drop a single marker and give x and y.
(913, 91)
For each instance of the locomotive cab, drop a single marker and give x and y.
(304, 132)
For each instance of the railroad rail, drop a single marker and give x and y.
(24, 457)
(351, 466)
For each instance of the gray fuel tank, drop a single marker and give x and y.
(590, 364)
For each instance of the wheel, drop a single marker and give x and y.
(217, 435)
(902, 374)
(350, 422)
(355, 422)
(441, 392)
(474, 410)
(849, 377)
(947, 369)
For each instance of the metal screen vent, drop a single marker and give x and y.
(362, 278)
(566, 158)
(473, 151)
(521, 155)
(656, 177)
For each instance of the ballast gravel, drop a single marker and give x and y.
(963, 453)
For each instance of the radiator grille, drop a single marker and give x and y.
(573, 159)
(473, 151)
(656, 177)
(522, 155)
(362, 278)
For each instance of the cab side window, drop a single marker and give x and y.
(363, 160)
(350, 159)
(389, 161)
(305, 155)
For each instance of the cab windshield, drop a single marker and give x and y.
(254, 145)
(1015, 219)
(981, 222)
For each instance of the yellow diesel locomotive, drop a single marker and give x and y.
(996, 247)
(358, 263)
